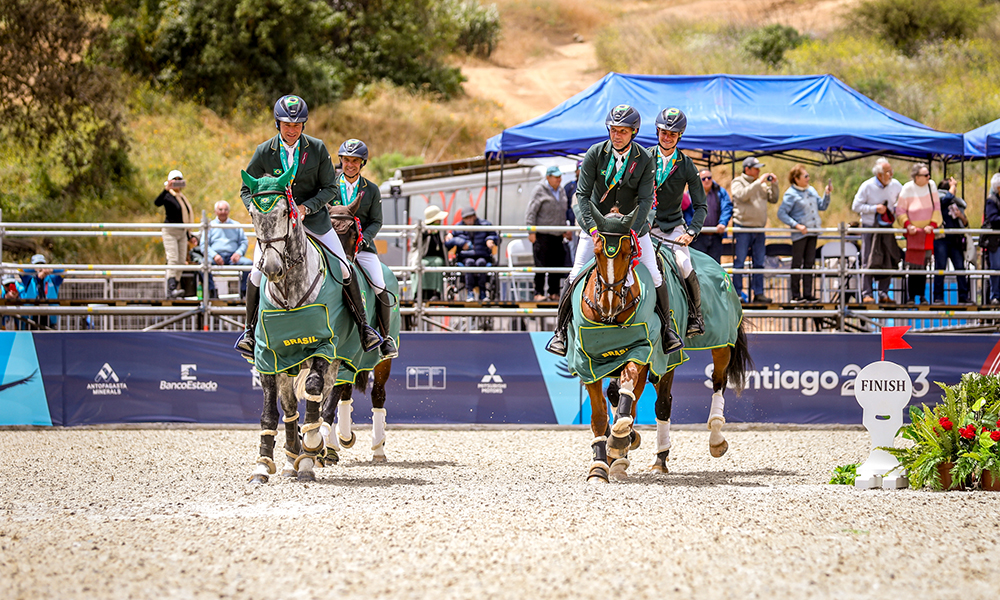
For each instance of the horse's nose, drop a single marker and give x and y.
(272, 268)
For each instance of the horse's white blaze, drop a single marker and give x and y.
(610, 294)
(662, 435)
(344, 419)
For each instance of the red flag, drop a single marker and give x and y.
(892, 339)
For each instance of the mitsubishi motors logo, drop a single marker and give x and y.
(492, 383)
(107, 383)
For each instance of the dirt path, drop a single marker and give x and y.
(539, 84)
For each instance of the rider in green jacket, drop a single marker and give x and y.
(313, 187)
(617, 172)
(675, 171)
(352, 187)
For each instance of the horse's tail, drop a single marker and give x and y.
(361, 381)
(740, 361)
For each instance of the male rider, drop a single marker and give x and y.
(352, 187)
(312, 188)
(617, 172)
(674, 171)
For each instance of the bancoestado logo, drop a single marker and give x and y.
(810, 382)
(492, 383)
(107, 383)
(189, 381)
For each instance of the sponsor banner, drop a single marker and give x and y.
(196, 377)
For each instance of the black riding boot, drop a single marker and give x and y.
(370, 339)
(245, 345)
(557, 345)
(669, 339)
(695, 325)
(388, 348)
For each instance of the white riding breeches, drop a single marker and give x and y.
(682, 254)
(585, 251)
(372, 266)
(330, 239)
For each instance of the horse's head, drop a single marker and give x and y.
(614, 250)
(273, 222)
(346, 227)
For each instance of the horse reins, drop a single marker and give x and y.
(290, 263)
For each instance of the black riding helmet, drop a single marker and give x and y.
(624, 115)
(356, 148)
(290, 109)
(672, 119)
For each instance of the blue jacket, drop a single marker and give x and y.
(802, 207)
(33, 288)
(229, 241)
(475, 239)
(725, 207)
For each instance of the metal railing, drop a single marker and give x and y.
(204, 313)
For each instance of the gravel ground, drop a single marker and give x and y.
(496, 513)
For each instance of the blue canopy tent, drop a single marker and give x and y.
(983, 142)
(730, 114)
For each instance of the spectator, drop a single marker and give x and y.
(12, 289)
(751, 192)
(546, 208)
(800, 210)
(919, 210)
(432, 254)
(572, 237)
(475, 249)
(175, 240)
(41, 283)
(227, 246)
(875, 198)
(951, 247)
(720, 210)
(991, 242)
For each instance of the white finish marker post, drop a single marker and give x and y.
(883, 389)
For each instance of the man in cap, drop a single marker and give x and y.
(675, 171)
(312, 188)
(41, 282)
(547, 208)
(227, 246)
(615, 173)
(475, 249)
(751, 192)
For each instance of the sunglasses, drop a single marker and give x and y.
(923, 175)
(709, 178)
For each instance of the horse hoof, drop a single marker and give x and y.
(258, 479)
(348, 443)
(598, 473)
(719, 449)
(658, 468)
(306, 476)
(619, 469)
(660, 462)
(636, 440)
(379, 459)
(328, 457)
(597, 480)
(288, 473)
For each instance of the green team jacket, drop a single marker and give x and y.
(369, 210)
(634, 190)
(671, 193)
(314, 180)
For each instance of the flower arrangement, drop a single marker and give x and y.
(956, 443)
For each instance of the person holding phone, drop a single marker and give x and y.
(751, 192)
(175, 240)
(800, 208)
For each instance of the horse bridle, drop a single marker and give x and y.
(290, 263)
(618, 287)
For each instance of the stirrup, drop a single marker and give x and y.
(557, 345)
(388, 348)
(671, 342)
(245, 345)
(370, 339)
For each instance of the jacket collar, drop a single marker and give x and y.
(632, 151)
(276, 142)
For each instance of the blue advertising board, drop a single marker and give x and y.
(195, 377)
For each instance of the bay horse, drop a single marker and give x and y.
(612, 300)
(294, 277)
(339, 401)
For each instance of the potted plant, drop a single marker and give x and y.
(953, 441)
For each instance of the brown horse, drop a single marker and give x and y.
(339, 401)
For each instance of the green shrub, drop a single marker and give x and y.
(845, 475)
(769, 44)
(478, 26)
(907, 25)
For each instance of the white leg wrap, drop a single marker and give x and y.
(378, 428)
(344, 419)
(325, 431)
(718, 408)
(662, 435)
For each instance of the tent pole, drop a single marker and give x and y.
(486, 188)
(500, 202)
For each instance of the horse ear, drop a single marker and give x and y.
(285, 178)
(598, 217)
(249, 181)
(631, 216)
(353, 206)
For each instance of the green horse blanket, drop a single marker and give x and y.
(597, 350)
(287, 338)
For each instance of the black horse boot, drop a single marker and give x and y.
(669, 339)
(557, 345)
(245, 345)
(388, 348)
(695, 325)
(370, 339)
